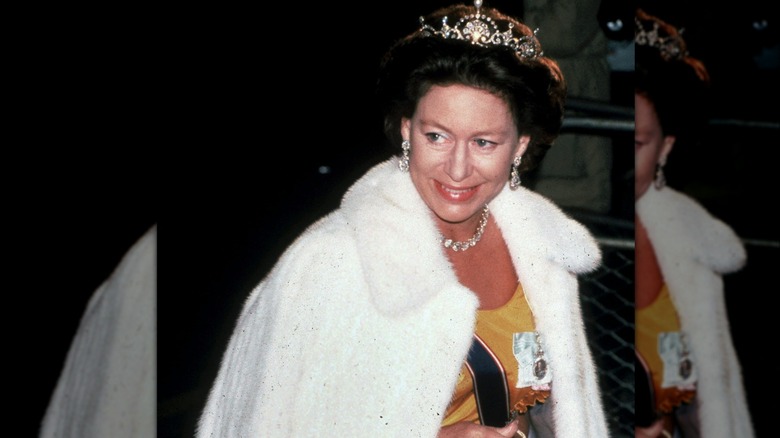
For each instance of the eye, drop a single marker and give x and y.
(434, 137)
(482, 143)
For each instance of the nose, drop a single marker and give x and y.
(458, 165)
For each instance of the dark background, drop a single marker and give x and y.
(215, 121)
(82, 148)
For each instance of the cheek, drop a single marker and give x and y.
(644, 168)
(643, 175)
(423, 159)
(496, 169)
(645, 159)
(423, 166)
(642, 163)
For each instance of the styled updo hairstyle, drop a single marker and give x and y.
(533, 87)
(676, 83)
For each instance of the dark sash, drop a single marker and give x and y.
(490, 387)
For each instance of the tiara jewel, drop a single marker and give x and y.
(481, 30)
(670, 46)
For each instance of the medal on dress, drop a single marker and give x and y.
(540, 365)
(679, 362)
(686, 366)
(532, 367)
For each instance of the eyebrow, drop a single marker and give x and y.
(424, 122)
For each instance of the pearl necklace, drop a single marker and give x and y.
(462, 246)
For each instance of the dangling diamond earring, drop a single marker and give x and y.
(403, 163)
(514, 176)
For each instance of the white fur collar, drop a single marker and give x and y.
(680, 228)
(403, 260)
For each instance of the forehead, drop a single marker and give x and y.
(460, 93)
(461, 104)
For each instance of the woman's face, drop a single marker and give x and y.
(463, 141)
(651, 145)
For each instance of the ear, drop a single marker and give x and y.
(522, 145)
(406, 128)
(666, 148)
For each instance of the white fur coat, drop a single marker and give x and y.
(107, 387)
(362, 326)
(694, 250)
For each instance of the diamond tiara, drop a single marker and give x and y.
(672, 45)
(481, 30)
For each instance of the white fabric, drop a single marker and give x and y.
(362, 326)
(694, 249)
(107, 387)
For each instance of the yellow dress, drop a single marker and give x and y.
(496, 327)
(659, 317)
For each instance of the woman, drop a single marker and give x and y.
(378, 318)
(682, 331)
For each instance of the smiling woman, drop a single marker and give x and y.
(441, 297)
(461, 140)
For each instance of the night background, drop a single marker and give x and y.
(234, 129)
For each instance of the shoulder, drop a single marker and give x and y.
(319, 247)
(674, 219)
(534, 222)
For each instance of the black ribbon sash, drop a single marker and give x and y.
(490, 387)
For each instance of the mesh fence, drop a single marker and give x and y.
(608, 308)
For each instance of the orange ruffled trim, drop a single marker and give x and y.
(530, 397)
(670, 398)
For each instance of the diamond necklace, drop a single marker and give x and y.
(466, 244)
